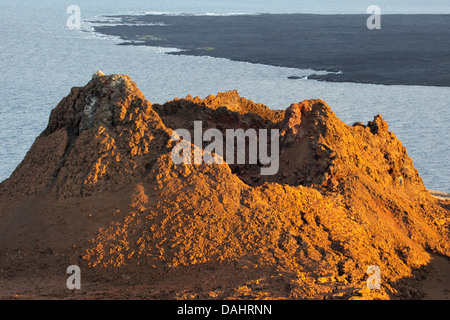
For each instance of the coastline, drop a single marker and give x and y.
(338, 44)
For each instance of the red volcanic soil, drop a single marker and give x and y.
(98, 189)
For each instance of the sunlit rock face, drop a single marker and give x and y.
(99, 189)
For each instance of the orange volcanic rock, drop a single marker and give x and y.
(98, 189)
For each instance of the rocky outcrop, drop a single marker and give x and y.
(98, 189)
(100, 137)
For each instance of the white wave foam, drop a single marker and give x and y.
(90, 33)
(163, 50)
(160, 13)
(148, 24)
(118, 21)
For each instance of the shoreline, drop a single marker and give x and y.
(411, 49)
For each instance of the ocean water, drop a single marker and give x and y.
(40, 60)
